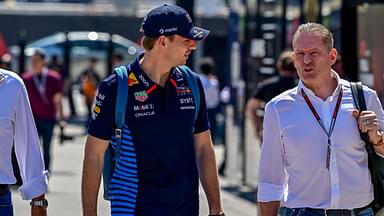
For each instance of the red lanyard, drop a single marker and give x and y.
(333, 121)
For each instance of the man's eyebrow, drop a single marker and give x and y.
(306, 50)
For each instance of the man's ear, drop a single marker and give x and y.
(162, 41)
(333, 56)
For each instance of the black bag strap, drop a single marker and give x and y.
(373, 159)
(359, 99)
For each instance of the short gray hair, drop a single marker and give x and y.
(315, 28)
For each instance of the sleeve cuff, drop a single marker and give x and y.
(269, 192)
(35, 187)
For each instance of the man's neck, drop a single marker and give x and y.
(155, 68)
(37, 71)
(324, 88)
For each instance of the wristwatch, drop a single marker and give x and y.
(40, 203)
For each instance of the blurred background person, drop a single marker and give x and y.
(44, 88)
(89, 81)
(338, 67)
(6, 61)
(269, 88)
(212, 92)
(57, 65)
(117, 59)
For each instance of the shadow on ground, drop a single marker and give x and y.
(244, 192)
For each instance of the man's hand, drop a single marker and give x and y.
(368, 123)
(38, 211)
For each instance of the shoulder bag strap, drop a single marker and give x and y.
(121, 103)
(191, 78)
(359, 99)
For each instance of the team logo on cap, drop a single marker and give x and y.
(132, 80)
(168, 30)
(197, 34)
(141, 96)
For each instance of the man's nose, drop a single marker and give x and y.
(193, 45)
(307, 58)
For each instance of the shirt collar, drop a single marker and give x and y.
(144, 80)
(139, 74)
(310, 92)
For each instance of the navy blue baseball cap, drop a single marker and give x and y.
(170, 20)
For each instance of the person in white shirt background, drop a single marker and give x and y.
(17, 128)
(313, 161)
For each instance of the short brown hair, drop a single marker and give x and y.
(315, 28)
(285, 61)
(148, 42)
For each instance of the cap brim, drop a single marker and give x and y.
(196, 33)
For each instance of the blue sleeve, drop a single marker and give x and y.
(202, 123)
(102, 122)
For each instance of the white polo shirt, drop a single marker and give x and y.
(18, 127)
(294, 151)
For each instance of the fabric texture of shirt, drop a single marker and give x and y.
(17, 128)
(43, 106)
(157, 173)
(294, 151)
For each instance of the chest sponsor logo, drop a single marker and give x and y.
(143, 114)
(179, 76)
(101, 96)
(145, 82)
(97, 109)
(187, 103)
(186, 100)
(143, 107)
(132, 80)
(141, 96)
(187, 107)
(94, 116)
(98, 103)
(183, 90)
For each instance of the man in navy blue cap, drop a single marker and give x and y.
(165, 149)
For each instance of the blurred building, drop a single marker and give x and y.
(354, 23)
(25, 21)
